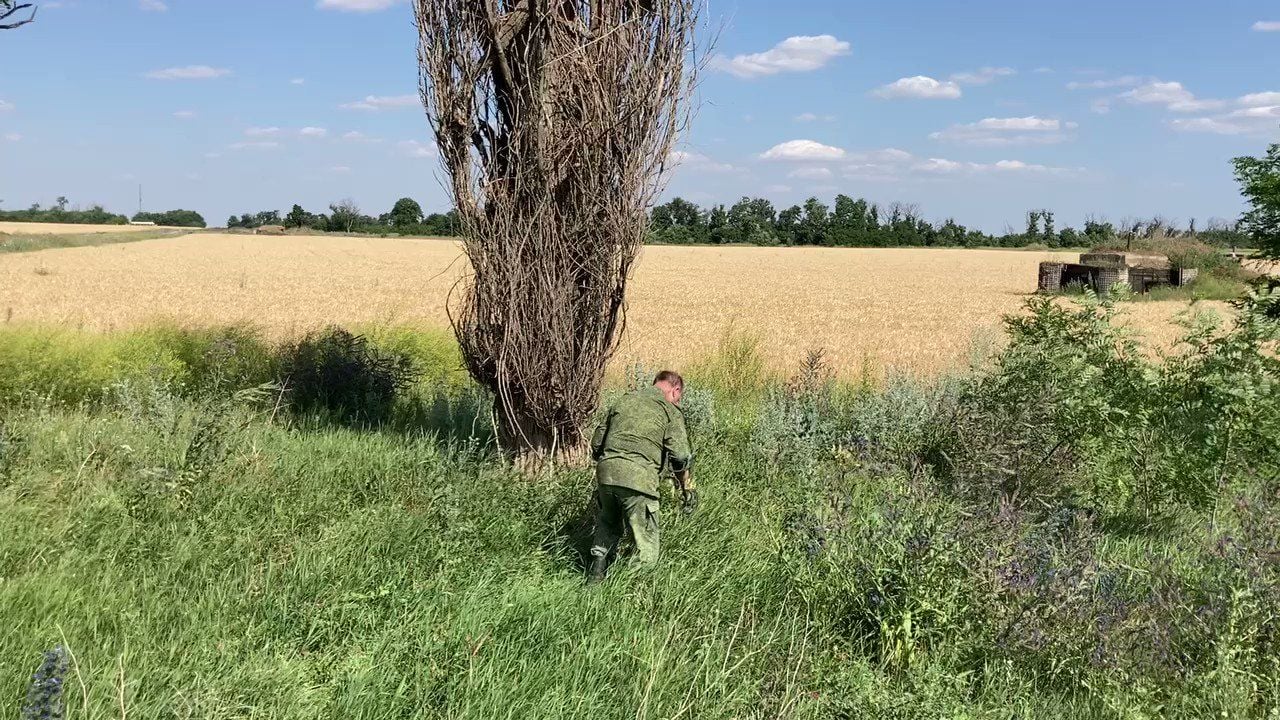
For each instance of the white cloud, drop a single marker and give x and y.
(6, 106)
(153, 5)
(887, 155)
(1042, 70)
(801, 53)
(1267, 26)
(415, 149)
(262, 131)
(374, 103)
(921, 87)
(1122, 81)
(1029, 130)
(982, 76)
(12, 137)
(188, 72)
(313, 132)
(298, 81)
(1207, 125)
(938, 165)
(1170, 94)
(697, 161)
(1261, 120)
(951, 167)
(255, 145)
(340, 169)
(813, 117)
(1101, 106)
(802, 150)
(185, 114)
(778, 189)
(357, 136)
(810, 173)
(356, 5)
(212, 155)
(893, 165)
(1252, 100)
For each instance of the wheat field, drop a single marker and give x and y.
(920, 311)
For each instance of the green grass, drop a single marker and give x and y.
(1204, 287)
(30, 242)
(320, 572)
(216, 558)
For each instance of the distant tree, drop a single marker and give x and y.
(1098, 231)
(1033, 225)
(813, 228)
(751, 220)
(1259, 180)
(445, 224)
(717, 224)
(233, 222)
(678, 222)
(788, 227)
(266, 217)
(344, 215)
(405, 212)
(174, 218)
(62, 202)
(11, 8)
(297, 217)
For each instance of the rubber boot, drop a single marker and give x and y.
(595, 571)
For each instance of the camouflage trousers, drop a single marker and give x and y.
(618, 509)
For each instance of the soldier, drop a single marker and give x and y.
(642, 434)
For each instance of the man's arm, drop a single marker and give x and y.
(675, 444)
(597, 438)
(680, 459)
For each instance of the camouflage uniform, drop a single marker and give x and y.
(641, 434)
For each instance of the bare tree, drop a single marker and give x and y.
(9, 8)
(553, 119)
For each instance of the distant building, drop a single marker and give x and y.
(1101, 270)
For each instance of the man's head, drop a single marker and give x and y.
(671, 385)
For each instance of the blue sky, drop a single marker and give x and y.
(976, 111)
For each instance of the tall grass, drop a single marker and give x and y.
(971, 547)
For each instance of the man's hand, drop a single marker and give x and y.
(690, 502)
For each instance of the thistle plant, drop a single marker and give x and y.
(45, 694)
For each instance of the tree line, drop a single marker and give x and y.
(406, 217)
(853, 222)
(61, 212)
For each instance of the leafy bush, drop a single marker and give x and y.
(339, 374)
(174, 218)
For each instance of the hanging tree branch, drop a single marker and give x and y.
(9, 8)
(553, 119)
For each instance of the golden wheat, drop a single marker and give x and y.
(913, 310)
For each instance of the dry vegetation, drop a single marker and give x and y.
(916, 310)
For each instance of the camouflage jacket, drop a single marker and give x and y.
(640, 436)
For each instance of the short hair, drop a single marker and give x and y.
(671, 377)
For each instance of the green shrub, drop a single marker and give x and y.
(342, 376)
